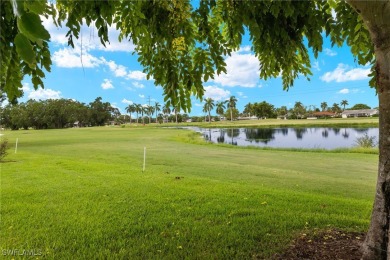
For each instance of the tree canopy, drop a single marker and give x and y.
(181, 46)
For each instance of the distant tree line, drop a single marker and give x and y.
(57, 113)
(262, 110)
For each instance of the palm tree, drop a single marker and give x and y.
(130, 109)
(157, 108)
(344, 103)
(220, 108)
(248, 109)
(143, 110)
(138, 109)
(299, 109)
(150, 112)
(232, 104)
(166, 109)
(336, 108)
(208, 106)
(324, 106)
(177, 110)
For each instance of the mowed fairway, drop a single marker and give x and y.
(81, 193)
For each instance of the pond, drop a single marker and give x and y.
(314, 137)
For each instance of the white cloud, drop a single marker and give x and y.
(246, 48)
(107, 84)
(344, 91)
(344, 73)
(316, 66)
(240, 94)
(74, 58)
(141, 96)
(40, 94)
(216, 93)
(137, 75)
(129, 102)
(198, 105)
(43, 94)
(57, 34)
(88, 37)
(26, 87)
(242, 70)
(118, 70)
(330, 52)
(138, 85)
(115, 44)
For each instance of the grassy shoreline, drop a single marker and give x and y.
(81, 193)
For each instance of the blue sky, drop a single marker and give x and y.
(113, 73)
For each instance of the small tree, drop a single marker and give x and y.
(3, 148)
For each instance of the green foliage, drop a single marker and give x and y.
(24, 49)
(366, 141)
(56, 113)
(231, 114)
(360, 106)
(3, 148)
(263, 110)
(181, 46)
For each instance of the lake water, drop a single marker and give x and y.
(315, 137)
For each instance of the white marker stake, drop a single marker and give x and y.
(143, 169)
(16, 145)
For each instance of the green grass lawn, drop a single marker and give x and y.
(81, 193)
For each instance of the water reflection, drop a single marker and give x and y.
(345, 134)
(259, 135)
(233, 133)
(299, 132)
(315, 137)
(221, 137)
(325, 133)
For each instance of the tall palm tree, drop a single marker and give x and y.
(150, 111)
(336, 108)
(232, 104)
(324, 106)
(248, 109)
(131, 109)
(143, 110)
(344, 103)
(138, 109)
(157, 108)
(208, 106)
(299, 109)
(177, 110)
(166, 110)
(220, 108)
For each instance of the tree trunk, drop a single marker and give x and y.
(376, 16)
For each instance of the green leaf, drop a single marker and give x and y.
(37, 6)
(31, 26)
(25, 49)
(358, 27)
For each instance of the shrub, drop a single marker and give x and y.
(366, 141)
(3, 148)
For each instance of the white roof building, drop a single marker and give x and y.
(359, 113)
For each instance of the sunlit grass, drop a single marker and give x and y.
(81, 193)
